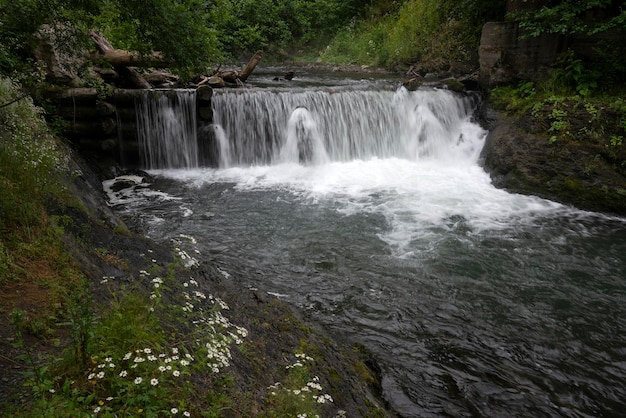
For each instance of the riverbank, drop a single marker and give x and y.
(576, 158)
(116, 262)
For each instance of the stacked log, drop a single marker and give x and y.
(204, 95)
(105, 121)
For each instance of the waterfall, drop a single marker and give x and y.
(166, 129)
(313, 126)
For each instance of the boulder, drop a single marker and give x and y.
(571, 172)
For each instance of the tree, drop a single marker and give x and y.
(179, 29)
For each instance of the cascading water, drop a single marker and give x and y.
(369, 210)
(265, 127)
(166, 129)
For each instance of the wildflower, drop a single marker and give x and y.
(154, 382)
(108, 359)
(152, 358)
(174, 411)
(138, 380)
(176, 373)
(187, 414)
(323, 398)
(127, 356)
(111, 365)
(123, 373)
(96, 410)
(100, 375)
(109, 399)
(51, 390)
(314, 385)
(161, 369)
(147, 350)
(184, 363)
(91, 376)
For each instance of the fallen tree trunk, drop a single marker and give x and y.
(101, 43)
(121, 58)
(252, 63)
(230, 76)
(134, 78)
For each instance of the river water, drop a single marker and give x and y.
(366, 206)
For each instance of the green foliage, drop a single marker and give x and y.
(179, 29)
(569, 17)
(30, 160)
(617, 140)
(515, 99)
(571, 76)
(192, 33)
(433, 32)
(277, 26)
(300, 394)
(21, 19)
(559, 123)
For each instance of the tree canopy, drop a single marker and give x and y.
(192, 33)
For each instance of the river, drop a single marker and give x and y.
(366, 206)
